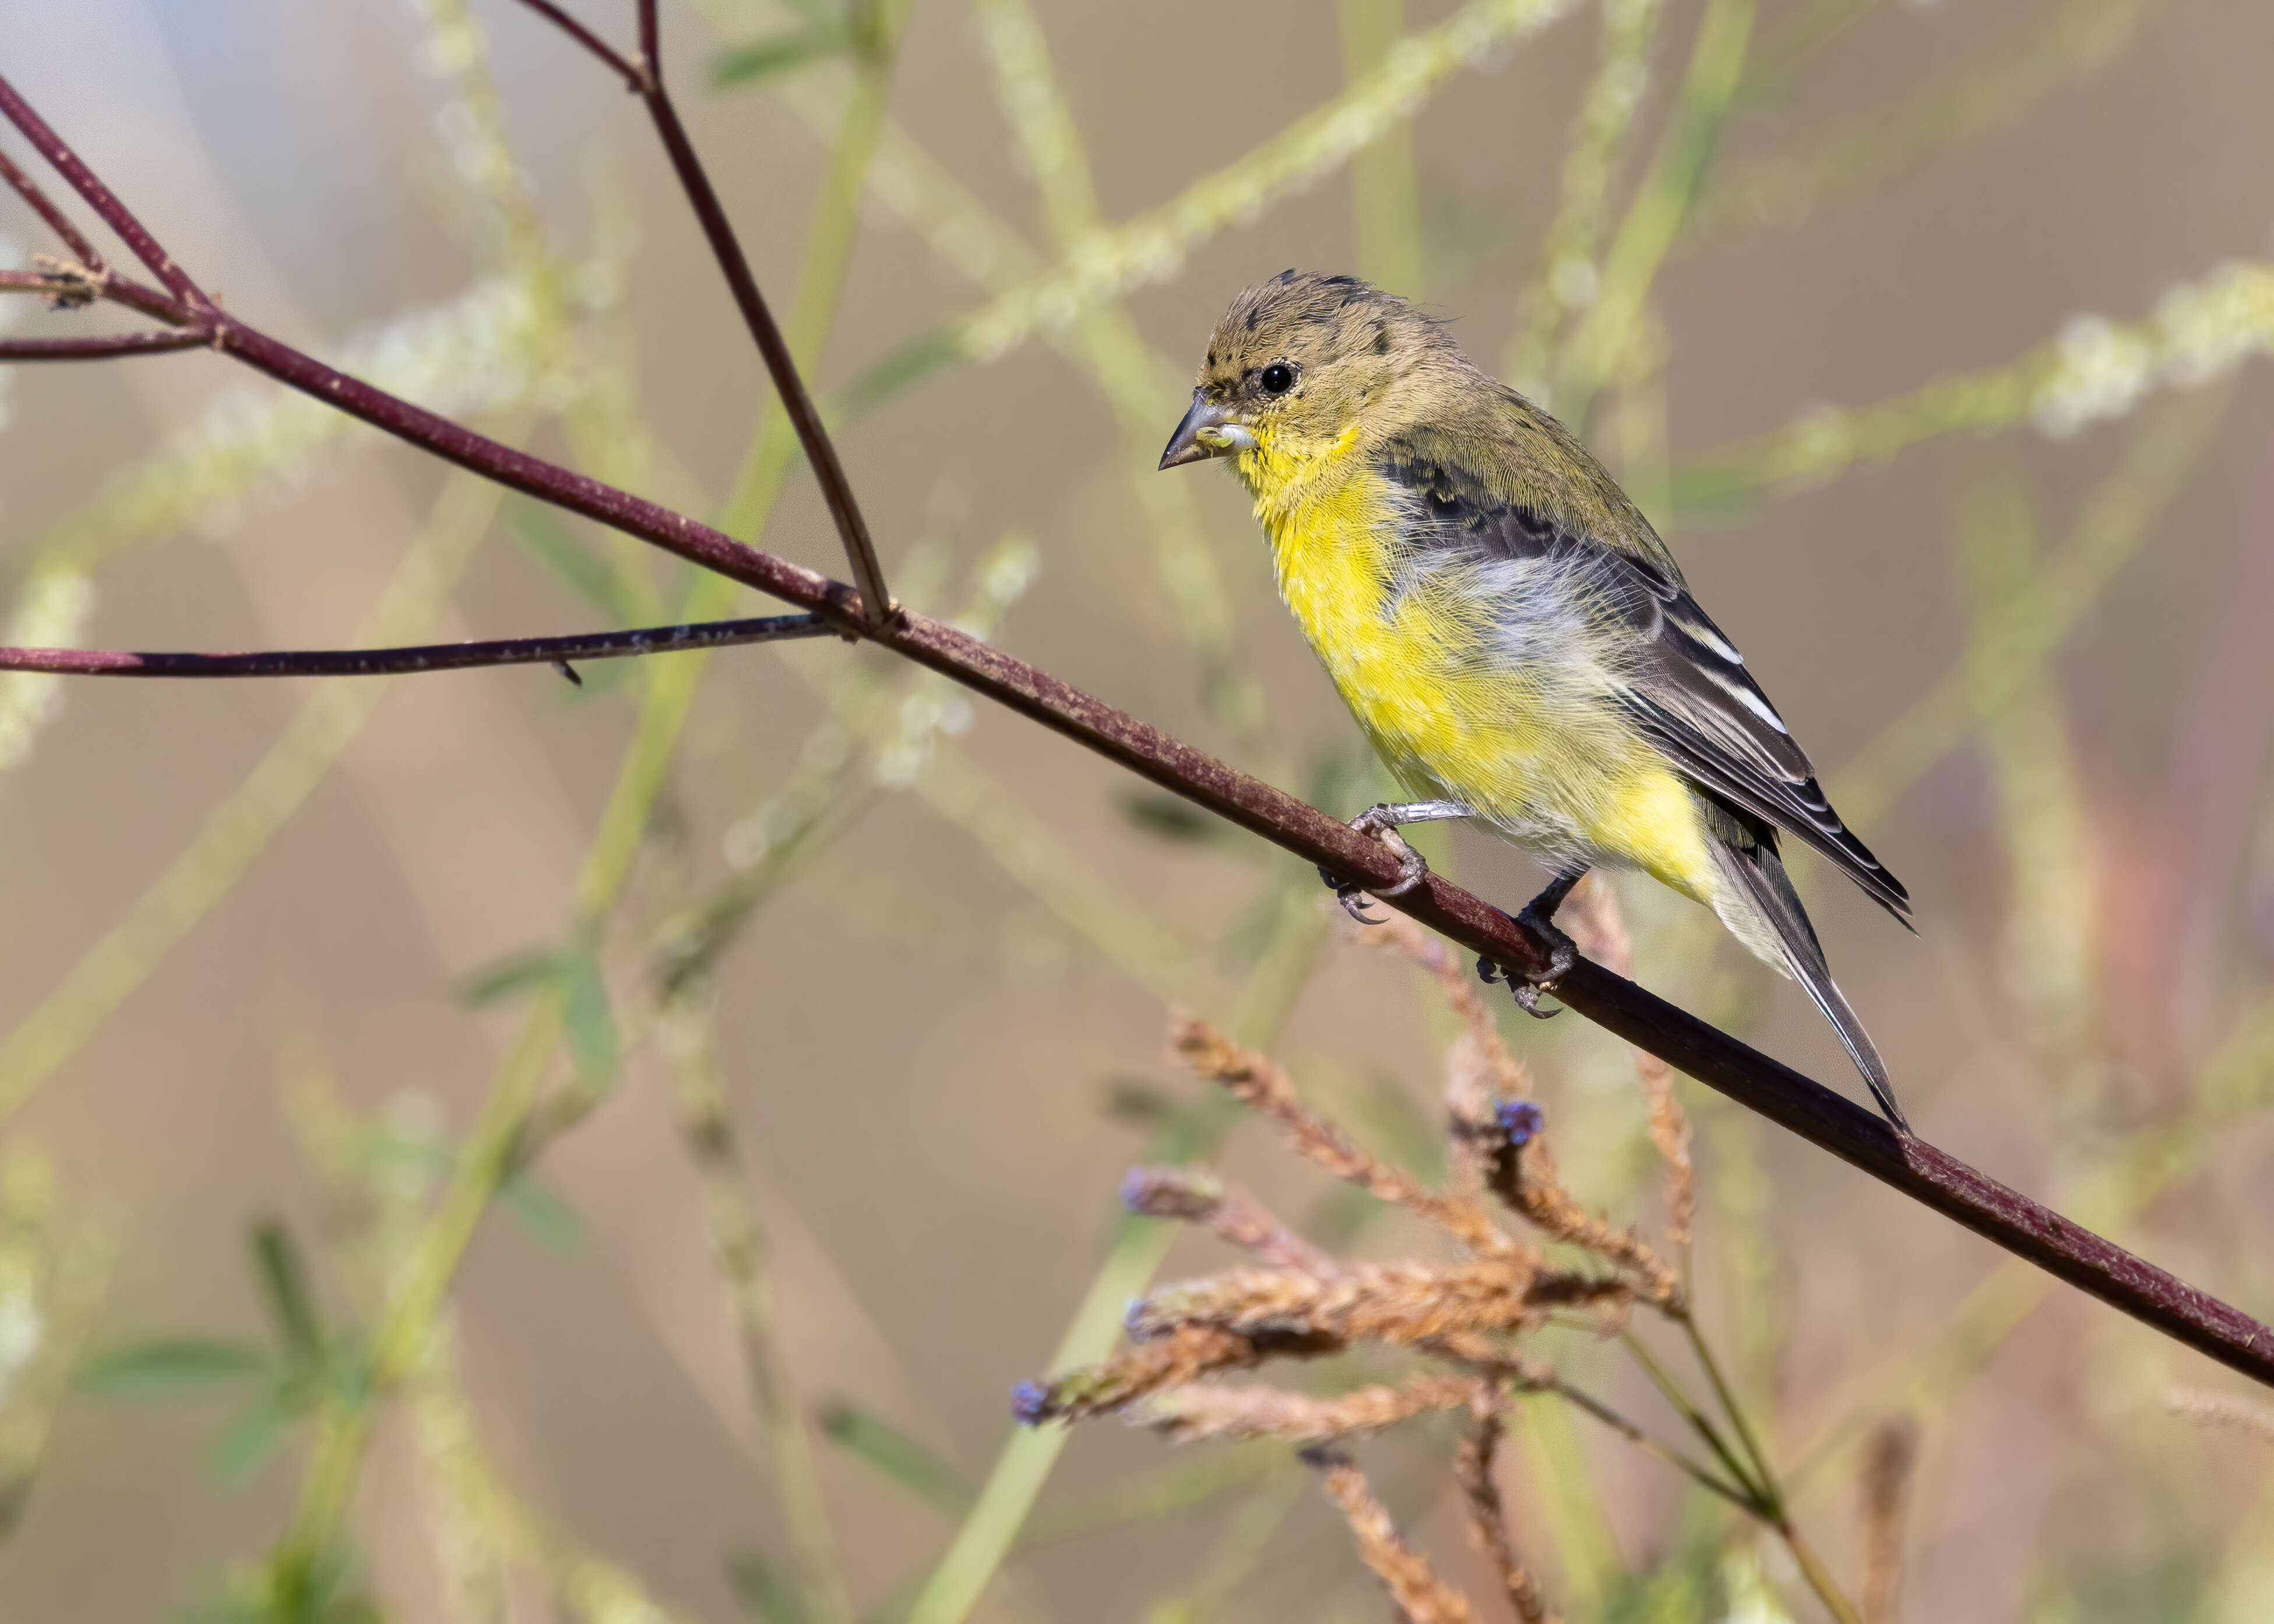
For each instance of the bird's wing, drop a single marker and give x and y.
(1683, 681)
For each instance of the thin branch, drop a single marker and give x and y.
(1762, 1500)
(25, 187)
(99, 198)
(110, 347)
(1763, 1472)
(646, 80)
(427, 657)
(650, 39)
(77, 283)
(1931, 1177)
(635, 80)
(1704, 1476)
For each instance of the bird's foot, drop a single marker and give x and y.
(1413, 867)
(1563, 953)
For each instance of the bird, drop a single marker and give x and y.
(1509, 630)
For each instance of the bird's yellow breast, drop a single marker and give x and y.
(1426, 673)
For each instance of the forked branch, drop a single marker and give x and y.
(644, 79)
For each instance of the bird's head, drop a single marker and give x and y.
(1295, 364)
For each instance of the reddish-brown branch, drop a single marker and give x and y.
(76, 284)
(634, 80)
(25, 187)
(108, 348)
(99, 198)
(651, 38)
(646, 81)
(430, 656)
(1914, 1168)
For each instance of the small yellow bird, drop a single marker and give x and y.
(1507, 628)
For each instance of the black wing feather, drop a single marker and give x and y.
(1687, 687)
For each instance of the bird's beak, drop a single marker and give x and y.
(1208, 431)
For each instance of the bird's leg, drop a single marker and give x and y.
(1380, 822)
(1537, 918)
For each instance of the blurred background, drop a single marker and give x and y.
(1931, 334)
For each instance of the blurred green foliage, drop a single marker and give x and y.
(539, 342)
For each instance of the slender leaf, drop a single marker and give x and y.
(589, 1024)
(1711, 495)
(502, 978)
(569, 555)
(764, 1594)
(888, 1451)
(543, 1217)
(780, 53)
(173, 1367)
(246, 1443)
(908, 363)
(1139, 1102)
(284, 1285)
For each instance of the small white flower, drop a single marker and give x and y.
(2102, 372)
(1574, 283)
(23, 1327)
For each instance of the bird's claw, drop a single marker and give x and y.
(1413, 867)
(1352, 897)
(1563, 953)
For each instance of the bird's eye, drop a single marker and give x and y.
(1277, 379)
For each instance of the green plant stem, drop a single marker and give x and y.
(1741, 1497)
(1567, 274)
(1818, 1577)
(1106, 340)
(1762, 1498)
(1138, 1248)
(1151, 246)
(739, 1247)
(1385, 200)
(492, 1151)
(1759, 1499)
(1591, 360)
(1763, 1473)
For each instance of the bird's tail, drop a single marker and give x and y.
(1757, 874)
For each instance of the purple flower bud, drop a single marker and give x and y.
(1520, 1119)
(1030, 1402)
(1137, 1190)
